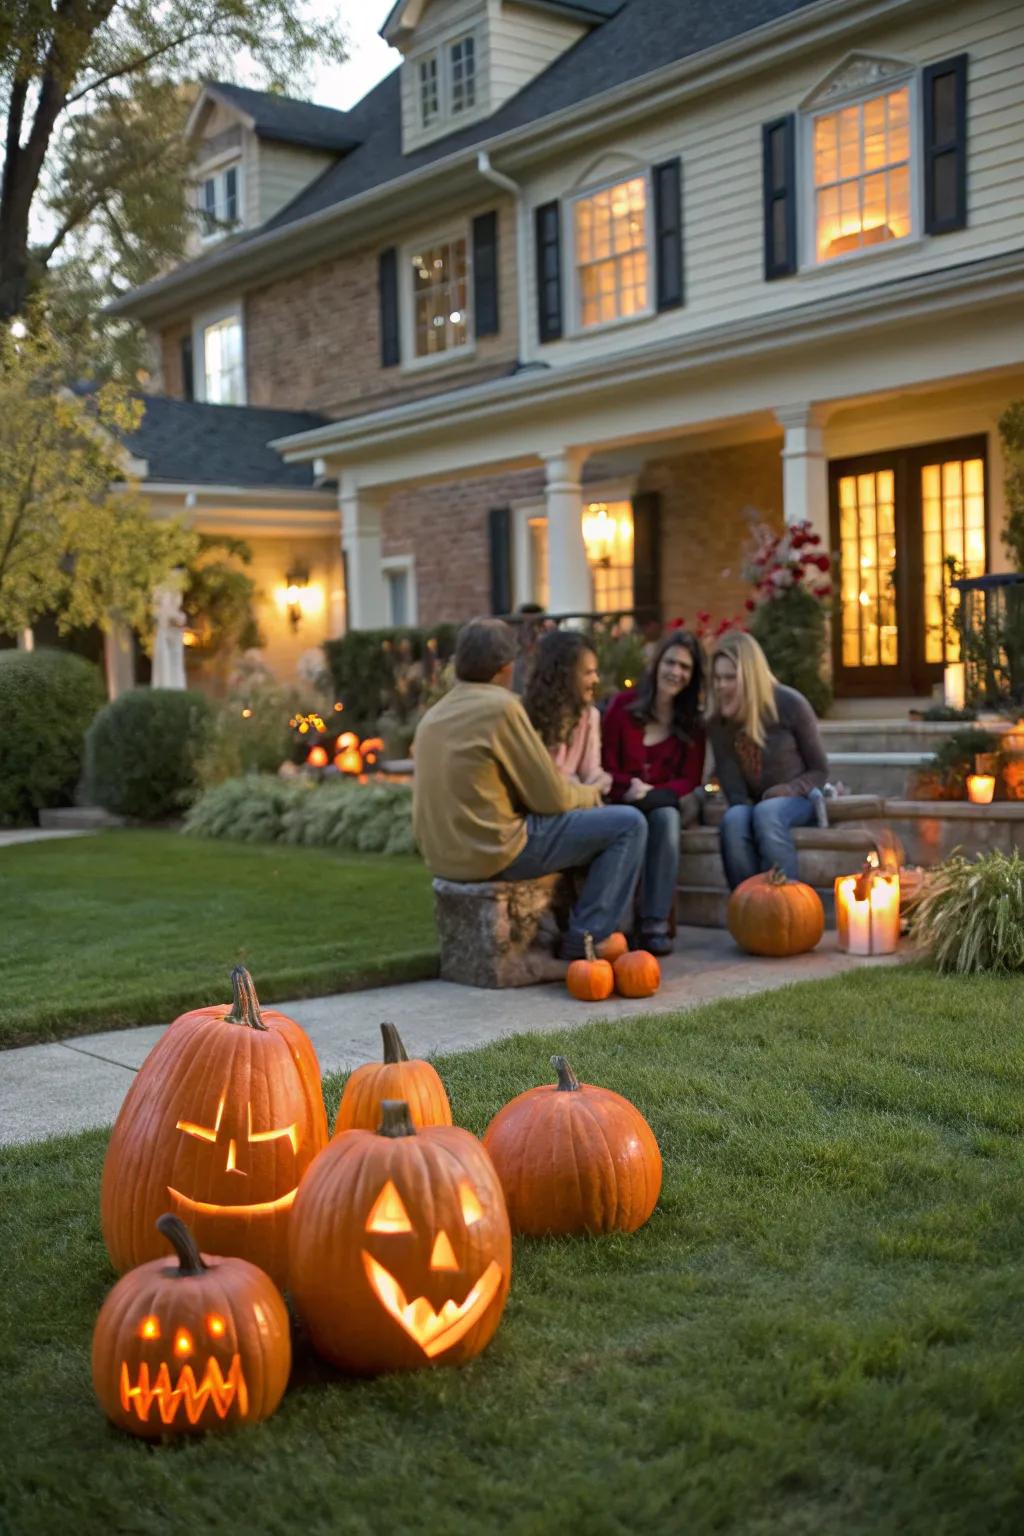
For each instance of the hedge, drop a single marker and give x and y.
(142, 752)
(364, 666)
(47, 699)
(351, 817)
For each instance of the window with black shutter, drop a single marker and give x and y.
(647, 555)
(548, 227)
(944, 89)
(485, 275)
(390, 339)
(188, 378)
(668, 233)
(500, 539)
(779, 175)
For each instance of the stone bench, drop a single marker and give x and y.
(502, 933)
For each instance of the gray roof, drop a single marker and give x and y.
(642, 36)
(287, 120)
(582, 10)
(188, 442)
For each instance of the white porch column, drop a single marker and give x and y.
(570, 589)
(805, 468)
(119, 659)
(366, 594)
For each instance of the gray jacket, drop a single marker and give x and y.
(792, 756)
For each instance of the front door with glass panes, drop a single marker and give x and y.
(904, 524)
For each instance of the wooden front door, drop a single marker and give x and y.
(898, 520)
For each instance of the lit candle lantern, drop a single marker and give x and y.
(349, 761)
(317, 757)
(868, 913)
(980, 788)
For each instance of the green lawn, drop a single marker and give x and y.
(134, 927)
(819, 1333)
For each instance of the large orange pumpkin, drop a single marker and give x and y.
(637, 974)
(590, 979)
(203, 1344)
(223, 1118)
(401, 1253)
(416, 1082)
(574, 1158)
(771, 915)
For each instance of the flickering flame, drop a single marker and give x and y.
(215, 1388)
(433, 1331)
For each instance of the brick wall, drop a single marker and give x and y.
(705, 499)
(445, 528)
(313, 338)
(168, 356)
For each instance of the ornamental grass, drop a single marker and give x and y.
(969, 917)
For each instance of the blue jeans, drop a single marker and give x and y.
(661, 869)
(610, 840)
(757, 837)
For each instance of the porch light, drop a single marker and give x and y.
(600, 533)
(299, 597)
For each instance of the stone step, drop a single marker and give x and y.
(880, 773)
(705, 906)
(924, 736)
(824, 854)
(79, 818)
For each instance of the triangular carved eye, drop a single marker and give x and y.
(443, 1256)
(471, 1210)
(388, 1214)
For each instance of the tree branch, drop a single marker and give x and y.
(140, 62)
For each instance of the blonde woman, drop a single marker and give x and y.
(768, 758)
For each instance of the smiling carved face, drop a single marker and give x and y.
(400, 1247)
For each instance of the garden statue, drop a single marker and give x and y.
(169, 639)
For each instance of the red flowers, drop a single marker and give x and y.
(779, 562)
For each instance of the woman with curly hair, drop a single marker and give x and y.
(559, 701)
(654, 743)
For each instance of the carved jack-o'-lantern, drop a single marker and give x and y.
(222, 1120)
(400, 1247)
(181, 1348)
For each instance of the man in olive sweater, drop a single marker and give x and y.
(489, 804)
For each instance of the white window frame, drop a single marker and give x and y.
(200, 325)
(807, 205)
(461, 113)
(407, 302)
(441, 54)
(438, 114)
(398, 565)
(218, 174)
(570, 269)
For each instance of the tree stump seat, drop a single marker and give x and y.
(502, 933)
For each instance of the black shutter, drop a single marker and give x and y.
(647, 554)
(549, 271)
(500, 531)
(779, 171)
(945, 145)
(390, 343)
(485, 275)
(188, 377)
(668, 233)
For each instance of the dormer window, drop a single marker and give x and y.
(861, 169)
(462, 66)
(219, 202)
(430, 100)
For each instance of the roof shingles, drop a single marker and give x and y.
(190, 442)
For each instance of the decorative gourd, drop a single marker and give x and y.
(223, 1118)
(772, 915)
(401, 1252)
(181, 1349)
(637, 974)
(574, 1158)
(590, 979)
(612, 947)
(397, 1078)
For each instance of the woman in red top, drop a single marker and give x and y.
(653, 746)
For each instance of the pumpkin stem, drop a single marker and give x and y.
(190, 1260)
(245, 1009)
(777, 876)
(394, 1050)
(395, 1119)
(568, 1082)
(588, 947)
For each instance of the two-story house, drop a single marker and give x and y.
(584, 283)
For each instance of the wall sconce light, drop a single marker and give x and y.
(599, 534)
(296, 586)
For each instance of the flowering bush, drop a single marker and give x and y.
(702, 628)
(792, 580)
(778, 562)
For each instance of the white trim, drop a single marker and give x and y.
(570, 267)
(446, 234)
(218, 174)
(807, 211)
(522, 572)
(201, 323)
(440, 48)
(401, 565)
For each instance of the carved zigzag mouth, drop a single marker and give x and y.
(433, 1331)
(215, 1388)
(207, 1208)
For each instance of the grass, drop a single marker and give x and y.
(819, 1331)
(134, 927)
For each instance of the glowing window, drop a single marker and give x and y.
(440, 294)
(610, 241)
(953, 529)
(867, 562)
(861, 159)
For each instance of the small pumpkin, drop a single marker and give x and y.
(637, 974)
(416, 1082)
(612, 947)
(200, 1345)
(590, 979)
(223, 1118)
(574, 1158)
(772, 915)
(401, 1252)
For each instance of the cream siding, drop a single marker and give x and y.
(281, 171)
(719, 139)
(523, 43)
(443, 24)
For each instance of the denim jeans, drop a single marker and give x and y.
(661, 869)
(756, 837)
(610, 841)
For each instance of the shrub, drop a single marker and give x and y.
(386, 670)
(250, 733)
(47, 699)
(142, 751)
(970, 915)
(955, 758)
(340, 814)
(792, 632)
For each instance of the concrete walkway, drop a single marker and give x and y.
(46, 1090)
(37, 835)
